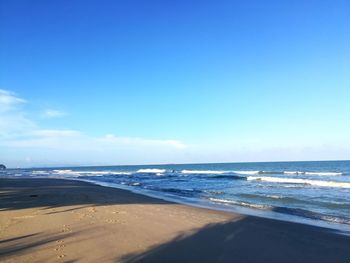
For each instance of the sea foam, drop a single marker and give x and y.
(88, 173)
(245, 204)
(300, 181)
(312, 173)
(247, 172)
(323, 173)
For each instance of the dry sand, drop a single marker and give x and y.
(52, 220)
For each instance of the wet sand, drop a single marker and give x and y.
(52, 220)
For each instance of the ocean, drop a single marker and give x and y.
(316, 193)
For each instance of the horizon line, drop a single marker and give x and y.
(159, 164)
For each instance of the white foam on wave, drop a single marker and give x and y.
(323, 173)
(40, 172)
(100, 173)
(300, 181)
(335, 219)
(247, 172)
(275, 196)
(203, 172)
(88, 173)
(152, 170)
(312, 173)
(62, 171)
(239, 203)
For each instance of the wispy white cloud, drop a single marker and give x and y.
(9, 100)
(68, 139)
(25, 137)
(15, 124)
(12, 118)
(51, 113)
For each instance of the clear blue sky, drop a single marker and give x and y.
(114, 82)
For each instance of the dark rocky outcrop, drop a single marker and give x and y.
(2, 167)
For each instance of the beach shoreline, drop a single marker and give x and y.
(49, 220)
(336, 227)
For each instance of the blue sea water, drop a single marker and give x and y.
(310, 192)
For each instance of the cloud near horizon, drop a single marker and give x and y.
(26, 143)
(23, 142)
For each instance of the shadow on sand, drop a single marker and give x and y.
(53, 196)
(247, 239)
(52, 193)
(251, 240)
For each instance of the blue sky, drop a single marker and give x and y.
(133, 82)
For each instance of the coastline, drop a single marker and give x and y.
(64, 220)
(232, 209)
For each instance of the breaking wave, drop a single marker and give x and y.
(87, 173)
(289, 173)
(300, 181)
(312, 173)
(247, 172)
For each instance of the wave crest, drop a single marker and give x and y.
(247, 172)
(300, 181)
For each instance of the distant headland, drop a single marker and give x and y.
(2, 167)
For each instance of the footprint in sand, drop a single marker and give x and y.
(66, 229)
(60, 244)
(59, 247)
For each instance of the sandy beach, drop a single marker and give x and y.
(52, 220)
